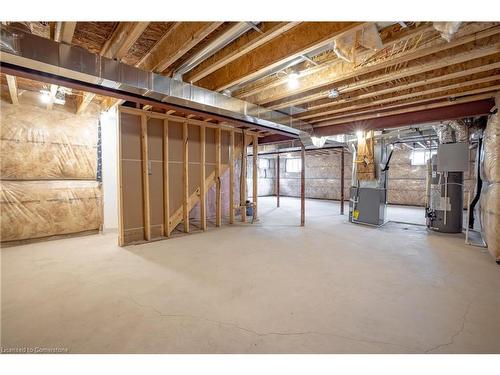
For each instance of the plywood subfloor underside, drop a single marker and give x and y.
(331, 287)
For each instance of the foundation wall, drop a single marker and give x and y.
(406, 183)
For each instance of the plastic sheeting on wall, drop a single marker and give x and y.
(490, 218)
(40, 144)
(35, 209)
(490, 195)
(491, 150)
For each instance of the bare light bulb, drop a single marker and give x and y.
(45, 97)
(293, 80)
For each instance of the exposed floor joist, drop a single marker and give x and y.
(378, 110)
(241, 46)
(301, 39)
(399, 81)
(124, 36)
(466, 107)
(319, 84)
(415, 66)
(64, 32)
(12, 84)
(176, 42)
(445, 92)
(329, 57)
(465, 99)
(83, 102)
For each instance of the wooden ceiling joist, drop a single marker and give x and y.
(466, 99)
(475, 107)
(369, 108)
(179, 39)
(328, 78)
(301, 39)
(64, 32)
(123, 38)
(83, 102)
(434, 73)
(462, 88)
(241, 46)
(329, 57)
(320, 100)
(110, 103)
(12, 84)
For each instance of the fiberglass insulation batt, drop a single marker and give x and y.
(490, 195)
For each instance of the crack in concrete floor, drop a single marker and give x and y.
(456, 334)
(263, 334)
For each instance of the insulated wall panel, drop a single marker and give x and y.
(48, 170)
(37, 143)
(36, 209)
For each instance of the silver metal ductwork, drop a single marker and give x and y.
(223, 40)
(24, 50)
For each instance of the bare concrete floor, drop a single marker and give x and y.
(331, 287)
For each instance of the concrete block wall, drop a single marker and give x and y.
(322, 177)
(406, 183)
(267, 179)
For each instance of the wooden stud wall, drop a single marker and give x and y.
(218, 207)
(255, 175)
(162, 162)
(243, 179)
(231, 177)
(166, 193)
(185, 177)
(203, 199)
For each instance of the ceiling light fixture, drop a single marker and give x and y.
(45, 97)
(318, 141)
(333, 93)
(293, 80)
(360, 135)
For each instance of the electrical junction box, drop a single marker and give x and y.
(453, 157)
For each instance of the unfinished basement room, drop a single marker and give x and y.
(266, 187)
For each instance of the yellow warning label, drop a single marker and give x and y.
(355, 214)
